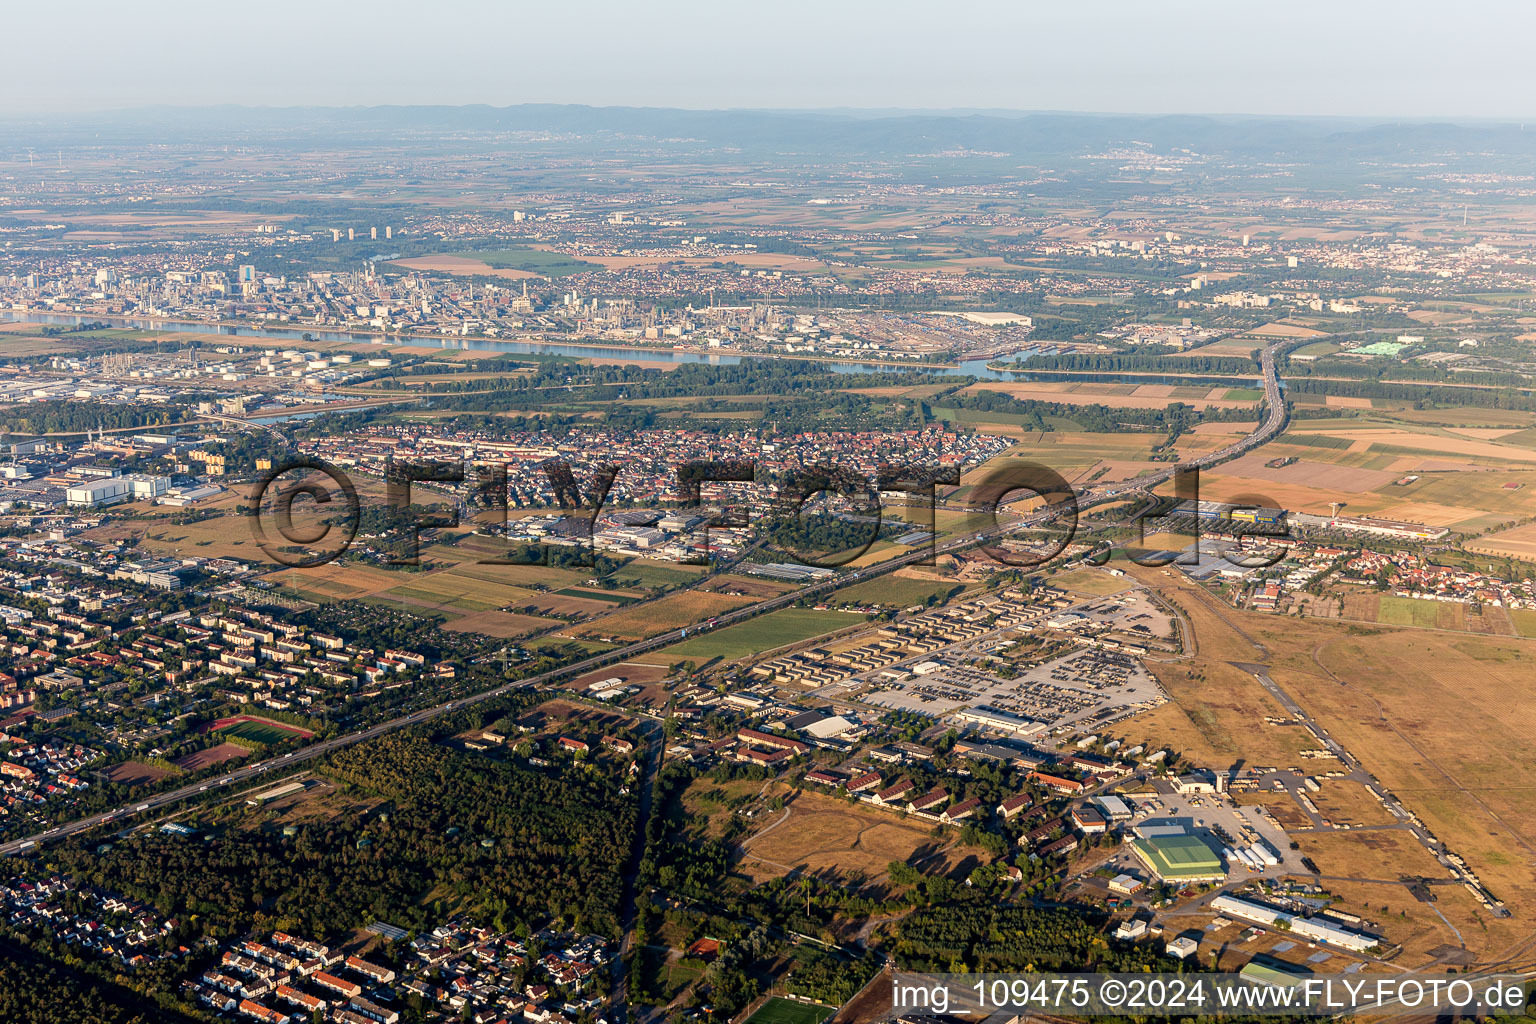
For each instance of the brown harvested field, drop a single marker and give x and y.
(1433, 443)
(660, 615)
(873, 1003)
(1517, 543)
(1429, 513)
(1484, 433)
(1345, 479)
(132, 773)
(501, 625)
(337, 580)
(753, 260)
(1280, 329)
(826, 835)
(1361, 605)
(212, 756)
(1419, 464)
(1463, 417)
(1216, 486)
(462, 265)
(1074, 394)
(1346, 402)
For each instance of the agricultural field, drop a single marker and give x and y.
(1118, 396)
(1519, 542)
(668, 612)
(900, 589)
(500, 625)
(764, 633)
(1457, 477)
(1406, 611)
(1369, 606)
(511, 263)
(656, 575)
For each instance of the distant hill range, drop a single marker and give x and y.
(884, 134)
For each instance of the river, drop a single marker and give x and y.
(965, 367)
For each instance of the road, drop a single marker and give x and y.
(1273, 422)
(656, 741)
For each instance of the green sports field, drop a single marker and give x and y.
(788, 1011)
(261, 732)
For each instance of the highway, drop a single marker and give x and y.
(1272, 424)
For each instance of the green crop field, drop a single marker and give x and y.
(1406, 611)
(763, 633)
(589, 594)
(535, 261)
(654, 577)
(899, 592)
(788, 1011)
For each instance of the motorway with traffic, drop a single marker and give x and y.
(1274, 420)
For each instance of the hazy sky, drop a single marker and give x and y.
(1398, 58)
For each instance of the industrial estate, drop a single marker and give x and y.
(690, 567)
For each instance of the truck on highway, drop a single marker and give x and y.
(141, 807)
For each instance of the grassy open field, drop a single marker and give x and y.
(1427, 712)
(764, 633)
(513, 262)
(822, 834)
(1406, 611)
(1094, 582)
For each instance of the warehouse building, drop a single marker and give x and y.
(1313, 929)
(99, 493)
(1179, 858)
